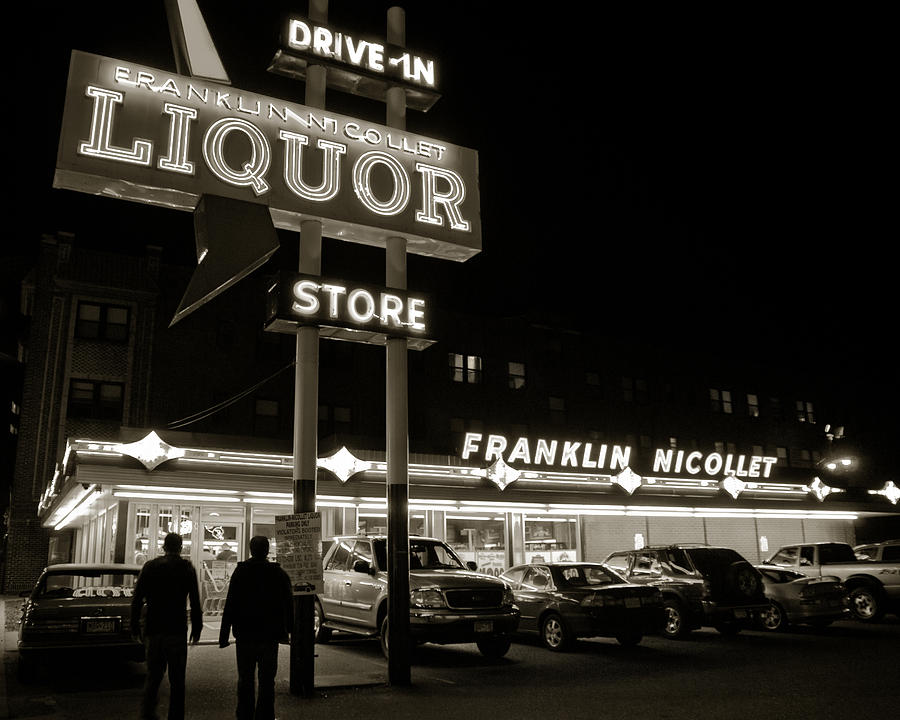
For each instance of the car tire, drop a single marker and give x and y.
(742, 579)
(773, 618)
(322, 634)
(554, 633)
(630, 639)
(383, 636)
(675, 626)
(866, 604)
(494, 647)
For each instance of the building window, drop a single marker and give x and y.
(775, 408)
(98, 400)
(720, 401)
(557, 410)
(516, 375)
(673, 442)
(97, 321)
(752, 405)
(465, 368)
(634, 390)
(781, 453)
(805, 412)
(592, 379)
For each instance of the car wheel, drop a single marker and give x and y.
(675, 626)
(773, 618)
(322, 633)
(743, 579)
(383, 636)
(865, 604)
(630, 638)
(554, 634)
(494, 647)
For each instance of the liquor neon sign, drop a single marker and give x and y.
(143, 134)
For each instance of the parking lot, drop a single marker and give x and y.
(845, 670)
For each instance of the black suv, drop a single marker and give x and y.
(701, 585)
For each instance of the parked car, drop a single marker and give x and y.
(874, 587)
(796, 598)
(449, 602)
(887, 551)
(79, 607)
(701, 585)
(568, 600)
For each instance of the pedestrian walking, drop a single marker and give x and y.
(165, 585)
(259, 611)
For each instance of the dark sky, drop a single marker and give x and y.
(720, 175)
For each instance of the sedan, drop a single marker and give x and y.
(796, 598)
(76, 606)
(568, 600)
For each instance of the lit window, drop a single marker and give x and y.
(634, 389)
(516, 375)
(752, 405)
(720, 400)
(805, 412)
(465, 368)
(97, 321)
(673, 442)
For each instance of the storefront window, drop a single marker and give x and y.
(550, 539)
(376, 524)
(141, 545)
(480, 539)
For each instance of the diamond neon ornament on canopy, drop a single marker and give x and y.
(890, 491)
(628, 480)
(152, 451)
(732, 486)
(344, 464)
(501, 474)
(821, 490)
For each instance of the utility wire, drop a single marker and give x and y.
(213, 409)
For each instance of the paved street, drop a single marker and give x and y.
(844, 671)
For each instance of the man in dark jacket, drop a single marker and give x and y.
(259, 608)
(165, 584)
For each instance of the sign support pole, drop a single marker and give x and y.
(306, 407)
(397, 421)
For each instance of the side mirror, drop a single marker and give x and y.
(471, 565)
(362, 566)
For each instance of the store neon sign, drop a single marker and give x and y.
(155, 137)
(586, 455)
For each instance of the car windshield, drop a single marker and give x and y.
(86, 584)
(581, 575)
(707, 560)
(423, 555)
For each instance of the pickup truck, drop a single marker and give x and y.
(873, 587)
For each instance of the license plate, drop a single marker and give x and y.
(100, 626)
(740, 613)
(484, 626)
(632, 602)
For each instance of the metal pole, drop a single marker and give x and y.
(306, 407)
(397, 421)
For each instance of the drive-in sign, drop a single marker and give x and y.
(143, 134)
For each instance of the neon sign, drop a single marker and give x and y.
(150, 136)
(613, 458)
(365, 310)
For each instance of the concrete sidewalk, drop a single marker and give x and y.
(331, 669)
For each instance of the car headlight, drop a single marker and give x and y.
(427, 599)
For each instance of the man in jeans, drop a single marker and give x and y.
(165, 584)
(259, 607)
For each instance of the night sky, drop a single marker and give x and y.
(717, 177)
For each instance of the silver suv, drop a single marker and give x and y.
(448, 601)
